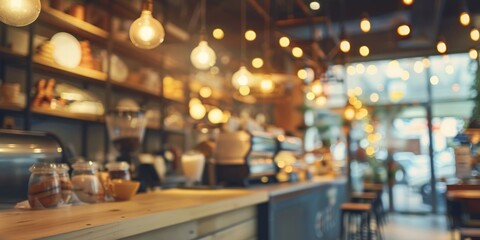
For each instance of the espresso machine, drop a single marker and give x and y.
(19, 150)
(245, 158)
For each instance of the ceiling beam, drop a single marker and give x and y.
(300, 21)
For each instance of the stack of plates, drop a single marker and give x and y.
(45, 52)
(87, 59)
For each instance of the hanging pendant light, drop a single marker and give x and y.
(203, 57)
(146, 32)
(242, 77)
(19, 13)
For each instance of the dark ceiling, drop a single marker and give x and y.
(318, 32)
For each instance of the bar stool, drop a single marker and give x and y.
(355, 221)
(375, 201)
(378, 189)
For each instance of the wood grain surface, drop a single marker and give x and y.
(114, 220)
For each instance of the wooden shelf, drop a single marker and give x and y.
(7, 55)
(11, 107)
(78, 72)
(136, 89)
(68, 115)
(73, 25)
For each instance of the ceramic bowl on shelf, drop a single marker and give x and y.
(118, 70)
(67, 51)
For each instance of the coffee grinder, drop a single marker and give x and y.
(126, 129)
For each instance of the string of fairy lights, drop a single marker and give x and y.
(317, 98)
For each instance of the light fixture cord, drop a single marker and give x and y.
(243, 28)
(203, 30)
(148, 5)
(267, 38)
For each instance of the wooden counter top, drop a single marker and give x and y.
(145, 212)
(285, 188)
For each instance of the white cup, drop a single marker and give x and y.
(192, 165)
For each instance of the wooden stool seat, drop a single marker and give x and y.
(469, 233)
(357, 207)
(365, 195)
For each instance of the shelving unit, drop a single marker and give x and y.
(32, 63)
(7, 55)
(68, 115)
(11, 107)
(80, 73)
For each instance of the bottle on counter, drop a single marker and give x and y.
(44, 189)
(118, 170)
(86, 184)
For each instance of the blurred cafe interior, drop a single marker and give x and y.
(240, 119)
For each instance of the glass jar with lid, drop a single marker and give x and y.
(44, 186)
(118, 170)
(65, 183)
(85, 182)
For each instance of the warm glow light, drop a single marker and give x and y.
(403, 30)
(418, 67)
(361, 114)
(317, 88)
(215, 116)
(205, 92)
(360, 68)
(368, 128)
(344, 46)
(434, 80)
(242, 77)
(364, 51)
(408, 2)
(358, 91)
(218, 33)
(441, 47)
(244, 90)
(426, 62)
(226, 116)
(374, 97)
(194, 101)
(267, 85)
(314, 5)
(351, 70)
(349, 113)
(310, 96)
(250, 35)
(474, 34)
(284, 42)
(302, 74)
(370, 151)
(396, 90)
(365, 25)
(449, 69)
(19, 13)
(372, 70)
(464, 18)
(297, 52)
(321, 101)
(197, 111)
(203, 57)
(405, 75)
(257, 63)
(146, 32)
(473, 54)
